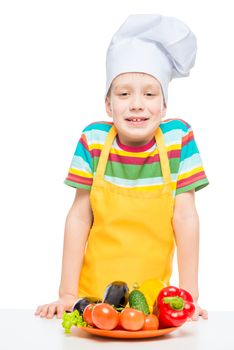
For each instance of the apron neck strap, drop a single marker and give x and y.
(161, 150)
(164, 161)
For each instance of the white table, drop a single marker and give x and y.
(20, 329)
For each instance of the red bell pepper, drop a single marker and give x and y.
(173, 307)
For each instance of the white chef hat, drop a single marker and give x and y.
(161, 46)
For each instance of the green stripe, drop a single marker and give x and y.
(198, 185)
(76, 185)
(133, 172)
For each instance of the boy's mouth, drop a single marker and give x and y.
(136, 120)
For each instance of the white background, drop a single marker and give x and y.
(52, 83)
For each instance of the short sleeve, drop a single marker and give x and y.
(191, 174)
(80, 173)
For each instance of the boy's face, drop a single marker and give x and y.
(133, 96)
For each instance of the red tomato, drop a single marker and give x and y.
(151, 322)
(87, 314)
(132, 319)
(104, 316)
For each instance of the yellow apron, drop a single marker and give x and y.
(132, 237)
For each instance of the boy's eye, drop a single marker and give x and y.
(126, 93)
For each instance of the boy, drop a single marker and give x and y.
(142, 173)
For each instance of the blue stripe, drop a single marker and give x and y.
(189, 150)
(190, 163)
(172, 125)
(96, 137)
(98, 126)
(85, 155)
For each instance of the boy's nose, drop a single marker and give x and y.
(136, 103)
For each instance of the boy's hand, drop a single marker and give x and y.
(198, 312)
(64, 303)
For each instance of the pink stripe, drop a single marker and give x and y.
(95, 152)
(102, 122)
(84, 142)
(187, 138)
(127, 160)
(168, 119)
(134, 160)
(143, 148)
(79, 179)
(191, 179)
(175, 153)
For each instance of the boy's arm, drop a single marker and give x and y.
(186, 229)
(77, 226)
(78, 223)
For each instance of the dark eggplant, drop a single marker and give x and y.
(81, 303)
(116, 293)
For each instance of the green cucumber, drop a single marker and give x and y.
(138, 301)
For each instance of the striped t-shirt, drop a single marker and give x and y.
(139, 166)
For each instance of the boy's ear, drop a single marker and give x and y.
(108, 107)
(164, 110)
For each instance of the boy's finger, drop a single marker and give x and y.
(44, 310)
(60, 310)
(195, 318)
(195, 315)
(204, 314)
(38, 310)
(51, 311)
